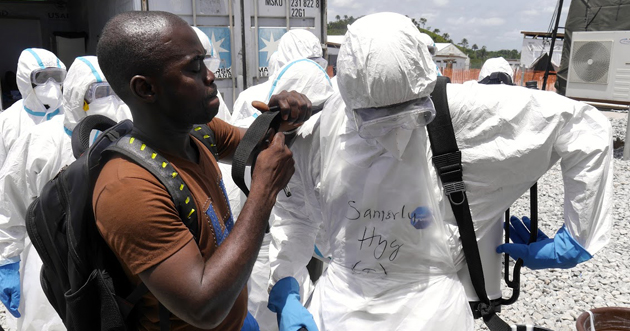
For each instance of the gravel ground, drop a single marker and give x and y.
(555, 298)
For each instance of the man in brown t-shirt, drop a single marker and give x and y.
(154, 62)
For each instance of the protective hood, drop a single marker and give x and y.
(383, 62)
(207, 44)
(425, 38)
(496, 64)
(30, 60)
(295, 44)
(83, 72)
(304, 76)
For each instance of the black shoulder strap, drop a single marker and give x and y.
(448, 162)
(246, 149)
(161, 168)
(204, 134)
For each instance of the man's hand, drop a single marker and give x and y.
(274, 167)
(295, 108)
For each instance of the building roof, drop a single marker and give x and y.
(541, 34)
(448, 50)
(334, 39)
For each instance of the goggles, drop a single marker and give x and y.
(212, 63)
(42, 76)
(97, 91)
(321, 61)
(377, 122)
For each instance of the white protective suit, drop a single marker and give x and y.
(295, 44)
(30, 110)
(390, 271)
(36, 158)
(306, 77)
(495, 64)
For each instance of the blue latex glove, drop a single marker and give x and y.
(10, 287)
(250, 323)
(284, 300)
(561, 251)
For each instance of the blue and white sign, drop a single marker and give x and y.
(268, 39)
(222, 43)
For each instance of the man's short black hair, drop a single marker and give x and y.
(131, 44)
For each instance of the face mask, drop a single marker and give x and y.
(49, 94)
(108, 106)
(395, 142)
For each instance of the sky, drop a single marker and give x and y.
(496, 24)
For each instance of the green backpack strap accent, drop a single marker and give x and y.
(162, 169)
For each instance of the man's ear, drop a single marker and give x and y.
(143, 88)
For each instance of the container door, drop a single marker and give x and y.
(265, 21)
(221, 21)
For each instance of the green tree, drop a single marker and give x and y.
(446, 36)
(340, 26)
(464, 43)
(436, 31)
(475, 47)
(483, 52)
(423, 21)
(416, 23)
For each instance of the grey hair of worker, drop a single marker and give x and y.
(132, 44)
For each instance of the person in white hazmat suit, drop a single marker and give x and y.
(39, 77)
(495, 65)
(293, 45)
(309, 78)
(364, 173)
(37, 156)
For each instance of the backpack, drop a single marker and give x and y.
(81, 276)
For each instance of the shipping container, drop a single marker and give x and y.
(244, 32)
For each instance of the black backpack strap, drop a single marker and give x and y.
(162, 169)
(497, 77)
(204, 134)
(448, 161)
(247, 148)
(165, 318)
(81, 134)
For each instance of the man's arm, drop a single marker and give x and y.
(202, 293)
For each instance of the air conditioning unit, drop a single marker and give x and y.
(599, 66)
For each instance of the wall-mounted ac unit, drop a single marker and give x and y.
(599, 66)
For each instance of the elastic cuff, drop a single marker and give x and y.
(580, 254)
(9, 260)
(281, 291)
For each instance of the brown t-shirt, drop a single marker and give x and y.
(138, 219)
